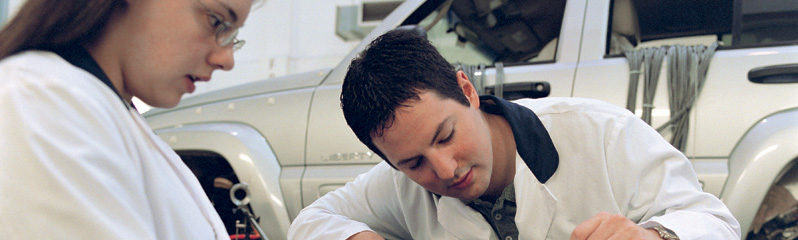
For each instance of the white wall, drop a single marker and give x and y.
(9, 7)
(283, 37)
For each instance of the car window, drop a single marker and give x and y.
(477, 32)
(636, 24)
(766, 22)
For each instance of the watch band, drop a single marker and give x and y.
(665, 233)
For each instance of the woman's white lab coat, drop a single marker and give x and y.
(609, 161)
(76, 163)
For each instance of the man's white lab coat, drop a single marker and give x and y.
(609, 161)
(76, 163)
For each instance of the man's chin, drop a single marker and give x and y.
(463, 198)
(468, 199)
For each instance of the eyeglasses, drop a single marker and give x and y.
(226, 32)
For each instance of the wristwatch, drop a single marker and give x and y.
(665, 233)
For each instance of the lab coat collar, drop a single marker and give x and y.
(462, 221)
(535, 209)
(536, 204)
(531, 138)
(79, 57)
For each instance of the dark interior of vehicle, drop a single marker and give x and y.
(735, 22)
(515, 30)
(676, 18)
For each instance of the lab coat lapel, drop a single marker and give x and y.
(191, 184)
(462, 221)
(536, 205)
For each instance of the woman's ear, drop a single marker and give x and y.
(468, 89)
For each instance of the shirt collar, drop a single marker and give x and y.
(532, 140)
(79, 57)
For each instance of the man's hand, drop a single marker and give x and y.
(366, 235)
(611, 226)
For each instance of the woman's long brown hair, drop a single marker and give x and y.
(48, 24)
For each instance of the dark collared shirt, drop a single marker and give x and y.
(500, 214)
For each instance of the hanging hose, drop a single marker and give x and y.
(647, 61)
(635, 59)
(499, 80)
(476, 75)
(653, 60)
(687, 68)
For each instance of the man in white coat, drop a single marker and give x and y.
(480, 167)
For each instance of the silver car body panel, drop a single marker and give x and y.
(766, 150)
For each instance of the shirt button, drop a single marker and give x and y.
(508, 238)
(497, 217)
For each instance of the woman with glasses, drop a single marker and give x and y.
(77, 161)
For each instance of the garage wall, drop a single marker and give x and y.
(283, 37)
(7, 9)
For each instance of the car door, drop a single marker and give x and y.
(750, 35)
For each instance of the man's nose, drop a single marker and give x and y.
(443, 165)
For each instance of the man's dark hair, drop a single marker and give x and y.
(393, 69)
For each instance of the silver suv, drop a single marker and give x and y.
(717, 78)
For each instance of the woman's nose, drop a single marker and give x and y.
(222, 58)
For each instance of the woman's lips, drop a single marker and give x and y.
(189, 84)
(464, 182)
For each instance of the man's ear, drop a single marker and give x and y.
(468, 89)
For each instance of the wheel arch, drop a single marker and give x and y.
(249, 155)
(765, 153)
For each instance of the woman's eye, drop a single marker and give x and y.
(215, 21)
